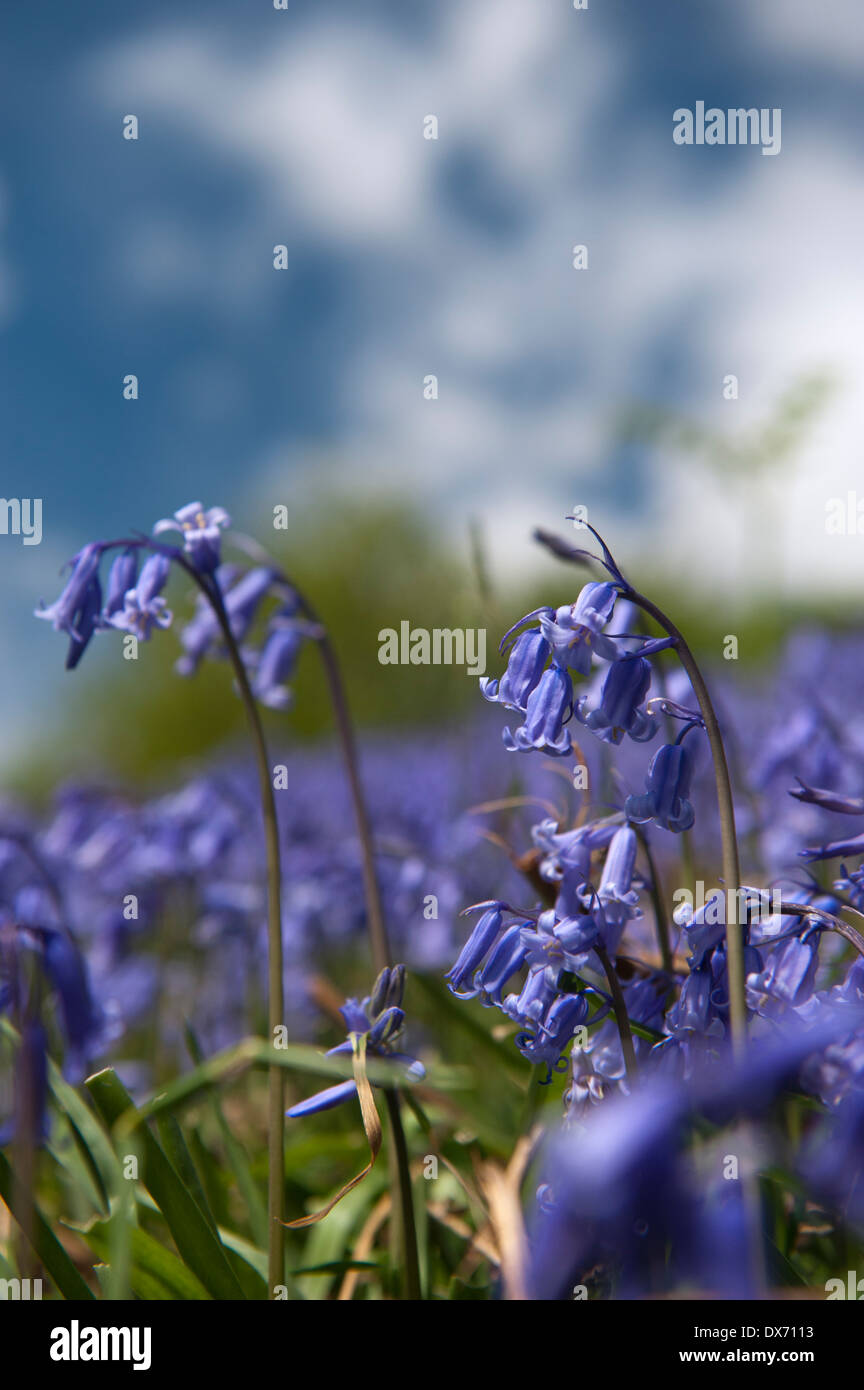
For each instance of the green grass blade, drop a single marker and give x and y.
(63, 1273)
(198, 1246)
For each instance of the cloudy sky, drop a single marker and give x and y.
(408, 257)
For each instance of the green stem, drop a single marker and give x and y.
(411, 1289)
(725, 806)
(619, 1008)
(275, 988)
(374, 910)
(400, 1174)
(831, 922)
(399, 1170)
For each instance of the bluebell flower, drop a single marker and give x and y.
(851, 884)
(614, 1193)
(507, 957)
(525, 666)
(62, 613)
(201, 533)
(695, 1011)
(575, 631)
(622, 1189)
(548, 709)
(705, 928)
(570, 850)
(121, 578)
(668, 784)
(143, 607)
(545, 1042)
(242, 595)
(534, 999)
(274, 665)
(616, 891)
(787, 979)
(832, 1162)
(599, 1066)
(619, 712)
(76, 611)
(753, 965)
(86, 619)
(67, 970)
(828, 800)
(836, 850)
(380, 1019)
(483, 937)
(561, 944)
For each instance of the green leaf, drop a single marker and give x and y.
(156, 1271)
(237, 1158)
(197, 1244)
(249, 1263)
(64, 1275)
(176, 1150)
(338, 1267)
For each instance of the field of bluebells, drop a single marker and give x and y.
(565, 1004)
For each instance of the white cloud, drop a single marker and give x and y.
(829, 33)
(754, 271)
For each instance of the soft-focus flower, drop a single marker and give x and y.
(835, 850)
(786, 980)
(85, 567)
(85, 622)
(121, 578)
(828, 800)
(76, 612)
(274, 665)
(143, 607)
(201, 533)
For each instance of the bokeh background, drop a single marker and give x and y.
(409, 257)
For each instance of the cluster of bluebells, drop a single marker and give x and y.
(132, 601)
(544, 967)
(166, 900)
(190, 861)
(586, 909)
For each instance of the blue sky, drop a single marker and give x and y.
(409, 257)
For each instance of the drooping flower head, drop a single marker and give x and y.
(620, 710)
(548, 709)
(667, 787)
(201, 533)
(379, 1019)
(143, 606)
(76, 611)
(575, 631)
